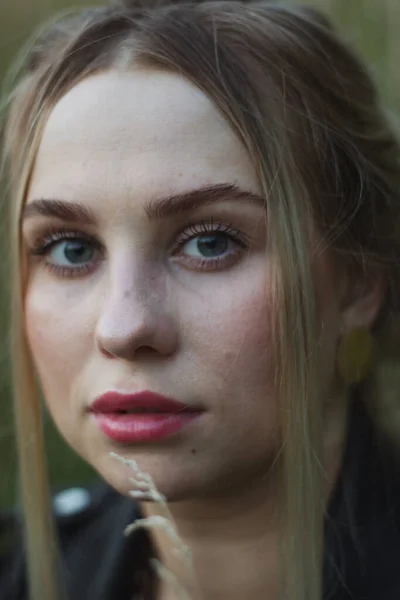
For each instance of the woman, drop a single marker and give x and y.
(205, 218)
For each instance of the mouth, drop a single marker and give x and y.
(149, 411)
(143, 417)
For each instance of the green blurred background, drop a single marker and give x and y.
(372, 25)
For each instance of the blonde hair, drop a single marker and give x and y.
(307, 112)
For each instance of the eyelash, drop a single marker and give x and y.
(44, 243)
(208, 228)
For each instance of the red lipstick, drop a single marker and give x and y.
(141, 417)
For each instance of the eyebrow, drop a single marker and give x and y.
(72, 212)
(160, 208)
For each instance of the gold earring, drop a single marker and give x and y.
(354, 355)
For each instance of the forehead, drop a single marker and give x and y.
(138, 127)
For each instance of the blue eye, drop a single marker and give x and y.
(67, 253)
(210, 246)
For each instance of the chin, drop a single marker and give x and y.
(130, 473)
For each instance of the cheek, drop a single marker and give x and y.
(232, 338)
(235, 365)
(59, 337)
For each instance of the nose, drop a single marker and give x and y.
(136, 318)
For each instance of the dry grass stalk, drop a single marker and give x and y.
(146, 490)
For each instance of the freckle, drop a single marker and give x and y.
(127, 294)
(193, 451)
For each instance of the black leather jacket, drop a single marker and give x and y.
(362, 556)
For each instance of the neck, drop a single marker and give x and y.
(234, 540)
(233, 543)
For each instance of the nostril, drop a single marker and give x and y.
(106, 353)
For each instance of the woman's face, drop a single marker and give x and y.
(149, 270)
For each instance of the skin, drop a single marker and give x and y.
(144, 315)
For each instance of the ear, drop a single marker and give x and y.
(363, 297)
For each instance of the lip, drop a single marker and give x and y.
(142, 417)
